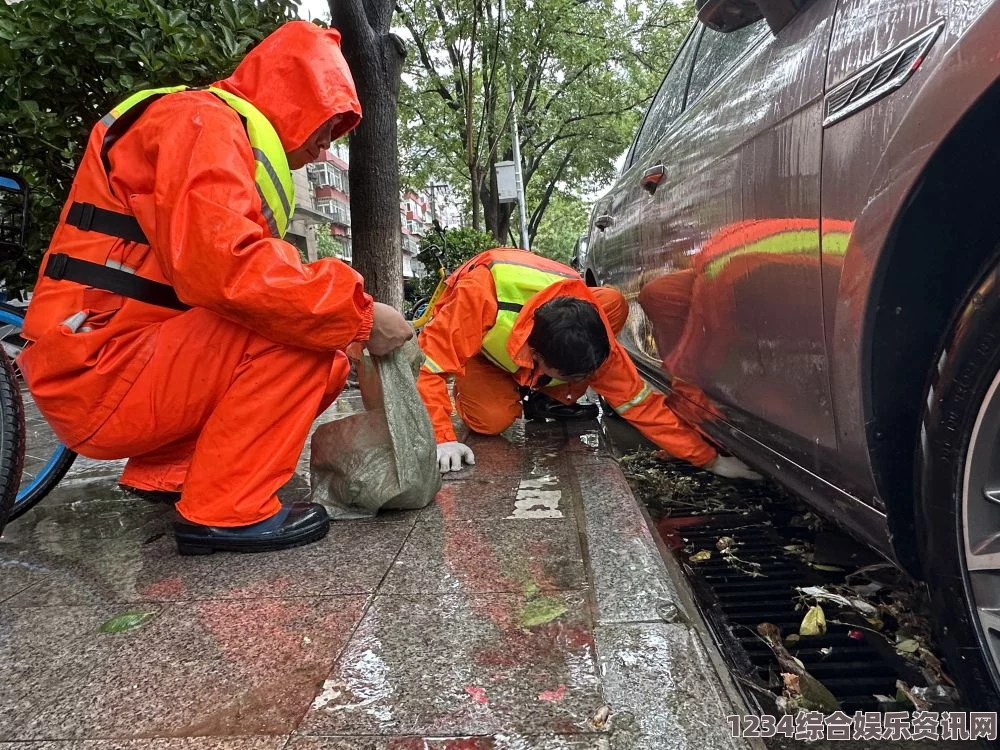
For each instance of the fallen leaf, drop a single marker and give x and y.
(725, 542)
(907, 646)
(827, 568)
(857, 635)
(702, 556)
(791, 684)
(792, 639)
(600, 718)
(814, 623)
(542, 610)
(826, 651)
(126, 621)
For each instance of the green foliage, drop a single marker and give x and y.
(326, 245)
(561, 226)
(65, 63)
(457, 246)
(583, 74)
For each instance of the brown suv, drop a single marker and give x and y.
(807, 228)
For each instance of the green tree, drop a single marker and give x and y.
(376, 58)
(326, 246)
(66, 63)
(563, 223)
(583, 73)
(451, 250)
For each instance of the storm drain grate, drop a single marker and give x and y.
(853, 665)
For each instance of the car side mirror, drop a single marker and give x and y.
(731, 15)
(13, 215)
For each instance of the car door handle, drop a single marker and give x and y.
(652, 178)
(604, 221)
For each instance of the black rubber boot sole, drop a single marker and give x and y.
(188, 546)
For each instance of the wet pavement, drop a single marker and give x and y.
(504, 616)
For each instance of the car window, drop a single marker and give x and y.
(669, 100)
(717, 52)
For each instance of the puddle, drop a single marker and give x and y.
(537, 497)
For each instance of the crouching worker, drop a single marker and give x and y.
(510, 319)
(172, 325)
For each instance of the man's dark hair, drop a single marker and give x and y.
(570, 336)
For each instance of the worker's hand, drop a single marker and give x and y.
(451, 455)
(390, 330)
(731, 467)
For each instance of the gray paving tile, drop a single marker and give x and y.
(488, 556)
(631, 582)
(352, 559)
(42, 651)
(477, 497)
(463, 665)
(494, 742)
(89, 572)
(185, 743)
(663, 688)
(208, 668)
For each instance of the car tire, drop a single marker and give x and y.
(959, 395)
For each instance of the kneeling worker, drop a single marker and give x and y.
(511, 319)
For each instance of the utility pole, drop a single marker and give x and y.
(515, 138)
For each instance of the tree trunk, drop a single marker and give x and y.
(474, 181)
(376, 60)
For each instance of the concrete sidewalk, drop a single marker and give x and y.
(505, 615)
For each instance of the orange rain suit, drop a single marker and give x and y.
(219, 399)
(487, 397)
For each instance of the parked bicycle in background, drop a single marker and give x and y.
(32, 460)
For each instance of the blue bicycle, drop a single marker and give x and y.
(32, 460)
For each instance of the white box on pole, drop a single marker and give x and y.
(506, 182)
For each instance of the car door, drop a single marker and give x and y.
(730, 286)
(617, 219)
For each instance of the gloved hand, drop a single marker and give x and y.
(450, 456)
(731, 467)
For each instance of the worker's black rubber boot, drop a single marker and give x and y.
(153, 496)
(538, 405)
(295, 524)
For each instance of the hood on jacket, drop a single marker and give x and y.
(298, 78)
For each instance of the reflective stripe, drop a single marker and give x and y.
(271, 173)
(571, 275)
(800, 242)
(431, 366)
(636, 400)
(268, 214)
(262, 159)
(120, 266)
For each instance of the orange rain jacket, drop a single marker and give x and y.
(185, 170)
(468, 310)
(218, 400)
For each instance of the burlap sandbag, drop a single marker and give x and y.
(385, 456)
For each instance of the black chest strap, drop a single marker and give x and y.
(90, 218)
(60, 266)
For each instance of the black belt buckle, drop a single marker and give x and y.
(55, 268)
(86, 216)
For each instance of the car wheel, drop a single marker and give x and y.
(959, 479)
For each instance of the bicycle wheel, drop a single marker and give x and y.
(11, 438)
(46, 460)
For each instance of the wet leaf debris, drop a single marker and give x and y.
(806, 617)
